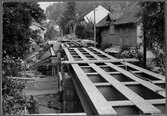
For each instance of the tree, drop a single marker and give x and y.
(85, 30)
(153, 22)
(17, 18)
(55, 11)
(68, 15)
(51, 33)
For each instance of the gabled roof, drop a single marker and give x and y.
(130, 15)
(100, 13)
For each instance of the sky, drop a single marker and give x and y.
(44, 5)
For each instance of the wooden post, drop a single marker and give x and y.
(95, 26)
(165, 12)
(144, 41)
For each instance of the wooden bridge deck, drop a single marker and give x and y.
(107, 85)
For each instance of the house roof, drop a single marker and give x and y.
(100, 13)
(113, 16)
(130, 15)
(103, 22)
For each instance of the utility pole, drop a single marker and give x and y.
(95, 26)
(144, 41)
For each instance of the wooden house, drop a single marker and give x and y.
(122, 31)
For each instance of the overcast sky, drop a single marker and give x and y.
(44, 5)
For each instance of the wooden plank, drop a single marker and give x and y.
(95, 61)
(92, 73)
(129, 103)
(102, 84)
(109, 56)
(120, 72)
(112, 84)
(134, 66)
(108, 84)
(87, 107)
(98, 100)
(127, 83)
(147, 84)
(68, 54)
(52, 51)
(85, 66)
(110, 72)
(158, 76)
(158, 82)
(132, 96)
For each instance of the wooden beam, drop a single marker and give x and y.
(86, 104)
(128, 93)
(52, 51)
(108, 72)
(158, 76)
(92, 73)
(147, 84)
(127, 83)
(134, 66)
(111, 57)
(102, 84)
(68, 54)
(97, 99)
(97, 61)
(132, 96)
(129, 103)
(107, 55)
(99, 102)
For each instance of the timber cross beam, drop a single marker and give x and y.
(107, 85)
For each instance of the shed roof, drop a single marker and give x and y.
(130, 14)
(100, 14)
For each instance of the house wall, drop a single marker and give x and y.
(121, 35)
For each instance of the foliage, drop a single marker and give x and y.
(12, 100)
(11, 66)
(17, 18)
(130, 53)
(159, 61)
(68, 15)
(154, 29)
(36, 37)
(85, 31)
(154, 23)
(51, 33)
(55, 11)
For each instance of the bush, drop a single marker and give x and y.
(130, 52)
(12, 99)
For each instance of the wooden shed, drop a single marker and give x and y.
(121, 31)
